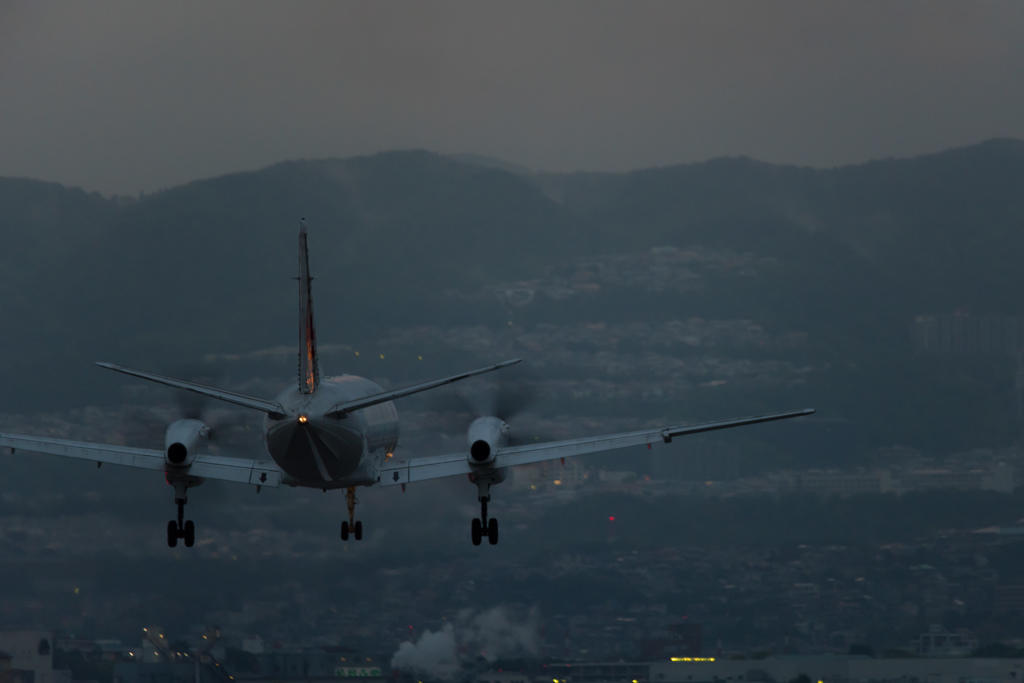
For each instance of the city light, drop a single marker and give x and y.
(696, 659)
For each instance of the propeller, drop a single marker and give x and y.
(504, 398)
(231, 430)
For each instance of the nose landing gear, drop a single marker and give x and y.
(351, 526)
(181, 528)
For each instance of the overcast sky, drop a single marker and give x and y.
(122, 97)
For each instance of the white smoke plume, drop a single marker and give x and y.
(435, 654)
(493, 634)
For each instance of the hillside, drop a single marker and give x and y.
(842, 259)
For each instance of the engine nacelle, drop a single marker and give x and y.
(485, 436)
(183, 441)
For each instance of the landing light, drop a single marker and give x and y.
(302, 418)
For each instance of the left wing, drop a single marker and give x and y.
(256, 472)
(434, 467)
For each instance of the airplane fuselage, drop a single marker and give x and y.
(324, 452)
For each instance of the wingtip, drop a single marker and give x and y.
(512, 361)
(808, 411)
(108, 366)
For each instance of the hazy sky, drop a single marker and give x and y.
(122, 97)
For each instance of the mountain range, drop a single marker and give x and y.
(849, 256)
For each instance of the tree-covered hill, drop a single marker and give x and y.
(847, 257)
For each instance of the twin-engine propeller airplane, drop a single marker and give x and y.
(340, 433)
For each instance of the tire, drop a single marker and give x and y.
(492, 531)
(478, 531)
(190, 533)
(344, 531)
(172, 534)
(359, 531)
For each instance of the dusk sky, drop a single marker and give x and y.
(123, 97)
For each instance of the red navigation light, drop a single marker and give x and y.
(611, 519)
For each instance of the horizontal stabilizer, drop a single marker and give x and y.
(270, 407)
(343, 409)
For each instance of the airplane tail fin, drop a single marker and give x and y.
(309, 365)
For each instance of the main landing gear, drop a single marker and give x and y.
(181, 529)
(483, 526)
(356, 528)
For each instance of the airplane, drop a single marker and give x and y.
(341, 433)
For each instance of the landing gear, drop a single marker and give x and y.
(351, 526)
(181, 528)
(477, 531)
(483, 526)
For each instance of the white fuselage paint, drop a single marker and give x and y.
(326, 452)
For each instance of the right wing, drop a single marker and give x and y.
(434, 467)
(271, 408)
(256, 472)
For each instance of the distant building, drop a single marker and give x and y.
(165, 672)
(920, 480)
(599, 672)
(572, 475)
(9, 674)
(1009, 598)
(700, 460)
(253, 645)
(317, 665)
(939, 642)
(824, 668)
(679, 640)
(840, 669)
(843, 484)
(32, 651)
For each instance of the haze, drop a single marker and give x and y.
(128, 97)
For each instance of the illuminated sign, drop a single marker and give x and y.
(356, 672)
(693, 659)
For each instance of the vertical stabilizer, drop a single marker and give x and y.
(309, 365)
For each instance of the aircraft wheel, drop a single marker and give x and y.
(478, 531)
(359, 531)
(492, 531)
(190, 533)
(172, 534)
(344, 531)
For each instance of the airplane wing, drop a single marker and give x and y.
(256, 472)
(270, 407)
(434, 467)
(343, 409)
